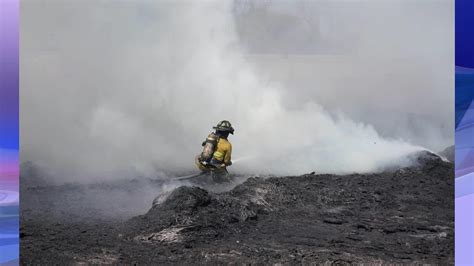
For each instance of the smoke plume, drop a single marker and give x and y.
(120, 88)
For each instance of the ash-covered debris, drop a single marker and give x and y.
(403, 216)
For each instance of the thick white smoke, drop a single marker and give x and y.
(109, 88)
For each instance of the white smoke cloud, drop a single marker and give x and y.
(113, 87)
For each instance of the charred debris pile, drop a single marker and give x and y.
(401, 216)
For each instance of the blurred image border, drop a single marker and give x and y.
(9, 132)
(464, 132)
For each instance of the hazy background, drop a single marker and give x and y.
(112, 88)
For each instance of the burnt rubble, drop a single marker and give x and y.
(402, 216)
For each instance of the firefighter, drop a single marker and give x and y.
(217, 151)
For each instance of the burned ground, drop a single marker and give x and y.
(403, 216)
